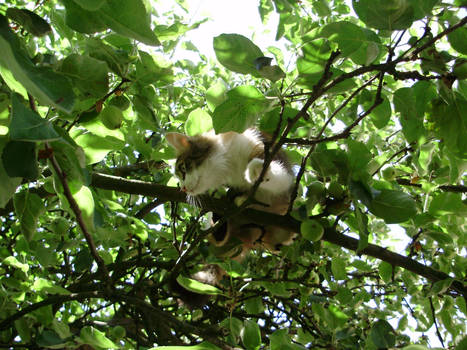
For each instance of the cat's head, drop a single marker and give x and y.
(199, 163)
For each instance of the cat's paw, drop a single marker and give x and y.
(253, 170)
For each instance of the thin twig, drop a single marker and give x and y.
(148, 208)
(435, 322)
(79, 217)
(343, 104)
(403, 150)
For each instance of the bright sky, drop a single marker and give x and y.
(240, 17)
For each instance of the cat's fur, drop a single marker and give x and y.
(209, 161)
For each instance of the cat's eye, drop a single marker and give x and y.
(181, 168)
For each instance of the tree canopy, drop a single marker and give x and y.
(368, 98)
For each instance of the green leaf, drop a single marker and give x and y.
(90, 5)
(311, 64)
(44, 315)
(338, 268)
(31, 22)
(117, 60)
(198, 121)
(362, 221)
(61, 329)
(28, 208)
(359, 156)
(280, 340)
(81, 20)
(457, 39)
(415, 347)
(197, 287)
(270, 119)
(12, 83)
(451, 125)
(71, 159)
(12, 261)
(8, 184)
(240, 111)
(202, 346)
(381, 115)
(370, 50)
(273, 73)
(322, 8)
(27, 125)
(175, 30)
(46, 85)
(254, 305)
(385, 271)
(330, 162)
(19, 160)
(24, 329)
(90, 335)
(361, 191)
(215, 95)
(447, 203)
(83, 261)
(344, 295)
(265, 8)
(348, 36)
(237, 53)
(392, 14)
(44, 255)
(411, 120)
(393, 206)
(382, 334)
(49, 339)
(277, 288)
(85, 202)
(88, 74)
(343, 86)
(128, 18)
(96, 147)
(339, 317)
(153, 69)
(461, 345)
(41, 284)
(251, 335)
(440, 287)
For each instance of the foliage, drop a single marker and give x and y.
(371, 108)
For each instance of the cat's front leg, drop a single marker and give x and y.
(276, 179)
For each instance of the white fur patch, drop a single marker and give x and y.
(276, 180)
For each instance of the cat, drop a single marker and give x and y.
(235, 160)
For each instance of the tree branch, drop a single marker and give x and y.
(223, 207)
(8, 322)
(79, 217)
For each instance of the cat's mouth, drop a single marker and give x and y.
(192, 189)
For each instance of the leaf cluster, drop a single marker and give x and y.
(368, 103)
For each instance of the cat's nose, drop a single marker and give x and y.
(183, 188)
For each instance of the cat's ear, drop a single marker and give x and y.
(178, 141)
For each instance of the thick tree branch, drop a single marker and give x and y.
(55, 299)
(223, 207)
(446, 188)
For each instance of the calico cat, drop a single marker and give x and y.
(209, 161)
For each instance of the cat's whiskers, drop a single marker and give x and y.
(193, 200)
